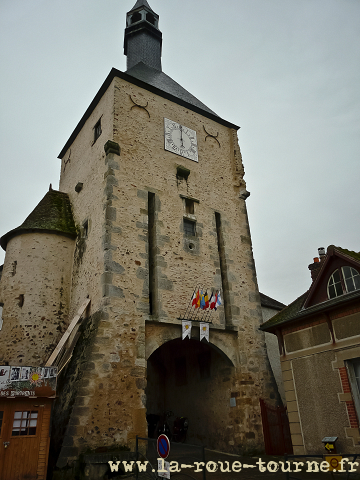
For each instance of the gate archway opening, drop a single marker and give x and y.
(191, 379)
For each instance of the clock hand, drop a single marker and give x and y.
(181, 138)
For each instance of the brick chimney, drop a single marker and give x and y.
(316, 266)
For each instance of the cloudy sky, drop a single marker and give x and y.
(286, 71)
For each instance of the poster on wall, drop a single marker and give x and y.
(16, 381)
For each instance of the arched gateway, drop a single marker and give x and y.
(191, 378)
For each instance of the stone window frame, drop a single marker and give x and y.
(189, 215)
(189, 226)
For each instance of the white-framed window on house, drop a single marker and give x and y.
(352, 278)
(353, 369)
(1, 319)
(334, 285)
(343, 280)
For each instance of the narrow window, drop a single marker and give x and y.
(21, 299)
(189, 206)
(85, 229)
(14, 265)
(352, 279)
(1, 319)
(189, 227)
(97, 130)
(152, 254)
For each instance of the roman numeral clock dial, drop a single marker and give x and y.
(180, 140)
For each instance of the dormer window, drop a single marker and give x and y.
(344, 280)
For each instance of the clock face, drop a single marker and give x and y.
(180, 140)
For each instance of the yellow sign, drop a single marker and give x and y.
(329, 446)
(334, 462)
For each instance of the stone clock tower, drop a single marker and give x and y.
(155, 182)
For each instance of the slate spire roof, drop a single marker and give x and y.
(163, 82)
(141, 3)
(142, 46)
(52, 214)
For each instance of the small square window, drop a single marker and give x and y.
(97, 130)
(189, 227)
(24, 423)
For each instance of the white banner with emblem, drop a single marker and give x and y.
(186, 329)
(204, 331)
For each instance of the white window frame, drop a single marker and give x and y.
(344, 288)
(335, 283)
(352, 270)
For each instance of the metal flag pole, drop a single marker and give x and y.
(199, 308)
(189, 305)
(210, 310)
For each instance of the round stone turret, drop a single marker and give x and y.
(35, 283)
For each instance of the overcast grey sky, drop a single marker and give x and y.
(286, 71)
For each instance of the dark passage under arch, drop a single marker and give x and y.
(192, 379)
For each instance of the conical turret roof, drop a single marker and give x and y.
(52, 215)
(141, 3)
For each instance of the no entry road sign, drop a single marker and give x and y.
(163, 446)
